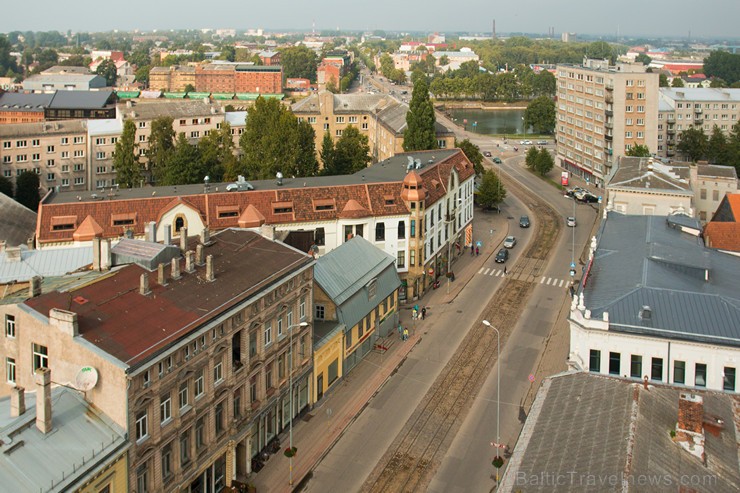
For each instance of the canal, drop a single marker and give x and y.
(489, 122)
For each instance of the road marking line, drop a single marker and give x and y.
(548, 280)
(561, 283)
(486, 271)
(494, 272)
(542, 280)
(481, 270)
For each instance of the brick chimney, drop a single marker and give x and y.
(65, 321)
(43, 400)
(17, 401)
(34, 287)
(176, 268)
(184, 239)
(144, 284)
(690, 413)
(210, 277)
(200, 254)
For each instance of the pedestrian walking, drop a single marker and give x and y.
(423, 313)
(472, 251)
(400, 331)
(414, 314)
(477, 251)
(405, 334)
(504, 270)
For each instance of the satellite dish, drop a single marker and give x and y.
(86, 378)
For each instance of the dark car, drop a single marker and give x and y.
(502, 256)
(487, 153)
(524, 222)
(497, 160)
(589, 198)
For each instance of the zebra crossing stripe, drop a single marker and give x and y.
(497, 273)
(542, 280)
(481, 270)
(561, 283)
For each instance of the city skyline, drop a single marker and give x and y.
(708, 19)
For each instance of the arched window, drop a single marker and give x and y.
(380, 232)
(179, 223)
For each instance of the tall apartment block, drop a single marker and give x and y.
(694, 107)
(602, 111)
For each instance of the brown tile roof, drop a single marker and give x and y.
(131, 327)
(723, 231)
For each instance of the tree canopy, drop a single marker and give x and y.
(693, 143)
(540, 115)
(472, 152)
(299, 61)
(125, 158)
(107, 69)
(723, 65)
(27, 190)
(638, 151)
(420, 131)
(539, 160)
(350, 154)
(491, 191)
(161, 147)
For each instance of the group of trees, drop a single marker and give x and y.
(420, 133)
(26, 190)
(717, 148)
(723, 65)
(468, 82)
(540, 115)
(539, 160)
(491, 191)
(351, 152)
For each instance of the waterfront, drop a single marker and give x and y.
(489, 122)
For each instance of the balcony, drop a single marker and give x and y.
(671, 141)
(609, 86)
(670, 153)
(671, 119)
(698, 111)
(608, 112)
(608, 125)
(698, 121)
(609, 136)
(609, 98)
(671, 131)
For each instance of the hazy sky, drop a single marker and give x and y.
(704, 18)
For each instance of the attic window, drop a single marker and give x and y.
(372, 289)
(227, 211)
(435, 183)
(389, 199)
(63, 223)
(324, 205)
(282, 207)
(123, 219)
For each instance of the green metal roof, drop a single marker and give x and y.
(222, 95)
(251, 96)
(175, 95)
(128, 94)
(198, 95)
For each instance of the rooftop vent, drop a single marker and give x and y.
(646, 313)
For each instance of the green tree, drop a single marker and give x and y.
(125, 158)
(662, 80)
(643, 59)
(189, 88)
(27, 190)
(530, 159)
(733, 146)
(540, 115)
(544, 162)
(718, 148)
(444, 60)
(351, 153)
(299, 61)
(693, 143)
(108, 70)
(161, 147)
(600, 50)
(306, 163)
(142, 74)
(544, 84)
(420, 134)
(327, 153)
(638, 150)
(7, 61)
(677, 82)
(491, 191)
(724, 65)
(216, 152)
(184, 165)
(717, 83)
(6, 186)
(472, 152)
(228, 53)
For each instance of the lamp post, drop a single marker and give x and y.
(498, 388)
(292, 411)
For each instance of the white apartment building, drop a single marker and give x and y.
(602, 111)
(694, 107)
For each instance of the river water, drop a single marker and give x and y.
(489, 122)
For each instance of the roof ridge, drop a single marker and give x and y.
(629, 451)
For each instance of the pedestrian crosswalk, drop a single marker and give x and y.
(547, 281)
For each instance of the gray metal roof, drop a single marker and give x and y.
(651, 175)
(701, 94)
(17, 222)
(39, 129)
(44, 263)
(175, 108)
(585, 424)
(345, 272)
(691, 290)
(143, 253)
(81, 99)
(716, 170)
(59, 78)
(18, 101)
(81, 443)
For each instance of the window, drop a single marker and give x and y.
(183, 394)
(594, 361)
(200, 433)
(166, 462)
(319, 312)
(302, 309)
(728, 379)
(715, 195)
(412, 258)
(253, 389)
(401, 259)
(199, 384)
(49, 149)
(614, 363)
(401, 230)
(656, 369)
(7, 144)
(50, 177)
(142, 426)
(338, 132)
(142, 479)
(79, 153)
(21, 143)
(100, 141)
(219, 417)
(185, 447)
(10, 370)
(380, 232)
(142, 138)
(10, 325)
(165, 408)
(268, 333)
(700, 377)
(218, 375)
(142, 124)
(40, 357)
(636, 366)
(79, 140)
(280, 326)
(340, 119)
(100, 155)
(703, 193)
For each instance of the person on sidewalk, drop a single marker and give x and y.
(405, 334)
(400, 331)
(472, 251)
(504, 270)
(423, 313)
(477, 251)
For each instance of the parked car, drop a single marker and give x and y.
(571, 222)
(509, 242)
(497, 160)
(588, 198)
(541, 142)
(487, 153)
(526, 142)
(524, 222)
(502, 256)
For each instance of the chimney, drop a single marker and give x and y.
(209, 269)
(29, 243)
(65, 321)
(205, 236)
(144, 284)
(167, 234)
(2, 246)
(690, 413)
(189, 261)
(199, 254)
(161, 278)
(184, 239)
(151, 232)
(13, 254)
(34, 287)
(645, 382)
(96, 253)
(17, 401)
(43, 400)
(175, 268)
(106, 259)
(267, 231)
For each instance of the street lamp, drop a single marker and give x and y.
(292, 411)
(498, 388)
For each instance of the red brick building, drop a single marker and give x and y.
(238, 78)
(270, 58)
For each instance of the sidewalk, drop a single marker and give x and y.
(319, 430)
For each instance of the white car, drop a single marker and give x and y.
(509, 242)
(526, 142)
(571, 222)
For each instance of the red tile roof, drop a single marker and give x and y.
(723, 231)
(132, 327)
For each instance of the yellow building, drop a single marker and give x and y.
(353, 308)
